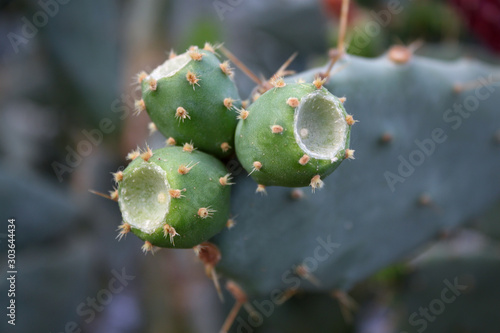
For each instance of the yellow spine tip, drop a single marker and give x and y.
(226, 180)
(141, 76)
(169, 231)
(147, 154)
(261, 189)
(114, 195)
(225, 147)
(228, 102)
(152, 128)
(278, 82)
(316, 182)
(257, 165)
(209, 47)
(193, 79)
(175, 193)
(195, 55)
(184, 169)
(133, 154)
(118, 176)
(230, 223)
(152, 84)
(350, 120)
(147, 247)
(188, 147)
(140, 106)
(242, 114)
(181, 114)
(226, 68)
(319, 82)
(349, 154)
(205, 212)
(123, 230)
(170, 141)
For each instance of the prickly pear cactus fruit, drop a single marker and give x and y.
(293, 135)
(191, 98)
(173, 197)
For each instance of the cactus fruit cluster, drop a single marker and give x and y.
(179, 196)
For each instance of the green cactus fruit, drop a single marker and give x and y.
(173, 197)
(293, 135)
(191, 98)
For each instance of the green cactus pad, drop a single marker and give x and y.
(191, 98)
(177, 191)
(293, 136)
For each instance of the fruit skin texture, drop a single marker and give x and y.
(209, 123)
(279, 153)
(202, 190)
